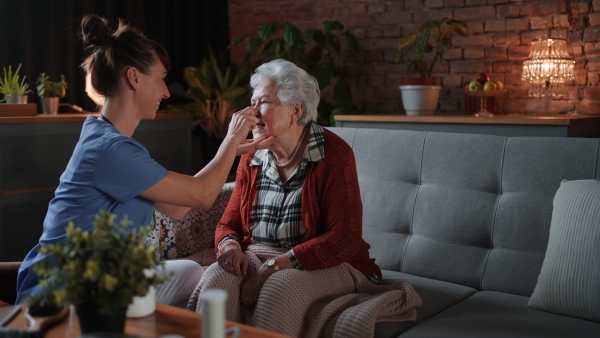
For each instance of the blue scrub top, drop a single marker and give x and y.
(107, 171)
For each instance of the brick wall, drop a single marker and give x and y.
(501, 31)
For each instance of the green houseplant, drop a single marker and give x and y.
(102, 269)
(419, 42)
(215, 90)
(428, 42)
(317, 51)
(14, 91)
(50, 92)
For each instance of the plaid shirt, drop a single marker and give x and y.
(276, 217)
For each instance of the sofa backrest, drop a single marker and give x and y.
(463, 208)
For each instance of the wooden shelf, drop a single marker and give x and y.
(505, 125)
(75, 117)
(498, 119)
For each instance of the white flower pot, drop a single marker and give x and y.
(144, 305)
(420, 100)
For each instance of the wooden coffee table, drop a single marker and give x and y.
(165, 320)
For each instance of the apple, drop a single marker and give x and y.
(489, 86)
(466, 86)
(475, 86)
(482, 78)
(499, 85)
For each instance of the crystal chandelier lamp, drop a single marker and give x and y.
(549, 67)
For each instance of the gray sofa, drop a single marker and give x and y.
(464, 218)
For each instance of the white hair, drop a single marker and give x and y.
(293, 85)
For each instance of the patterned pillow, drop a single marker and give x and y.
(569, 281)
(190, 235)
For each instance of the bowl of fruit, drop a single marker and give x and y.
(484, 88)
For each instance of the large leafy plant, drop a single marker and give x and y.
(420, 43)
(103, 267)
(319, 52)
(10, 84)
(216, 89)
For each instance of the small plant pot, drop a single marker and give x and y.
(50, 105)
(420, 100)
(92, 320)
(16, 99)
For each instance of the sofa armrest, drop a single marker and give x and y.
(191, 236)
(8, 281)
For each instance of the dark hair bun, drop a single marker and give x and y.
(95, 30)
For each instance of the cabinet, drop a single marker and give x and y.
(34, 151)
(503, 125)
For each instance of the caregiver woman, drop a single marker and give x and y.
(111, 171)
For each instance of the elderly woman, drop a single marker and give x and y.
(291, 234)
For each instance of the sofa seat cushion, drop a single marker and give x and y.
(437, 296)
(492, 314)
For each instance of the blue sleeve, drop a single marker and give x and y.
(124, 169)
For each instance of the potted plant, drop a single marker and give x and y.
(100, 272)
(215, 90)
(430, 39)
(319, 52)
(50, 92)
(14, 91)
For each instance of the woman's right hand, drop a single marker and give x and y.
(233, 260)
(242, 123)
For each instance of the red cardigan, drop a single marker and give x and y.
(331, 211)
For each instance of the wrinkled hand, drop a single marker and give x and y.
(233, 260)
(242, 123)
(252, 286)
(249, 146)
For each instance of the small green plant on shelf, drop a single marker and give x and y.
(317, 51)
(47, 88)
(104, 267)
(418, 42)
(10, 84)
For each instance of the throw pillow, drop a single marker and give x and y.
(186, 238)
(569, 281)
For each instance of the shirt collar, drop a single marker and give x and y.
(314, 152)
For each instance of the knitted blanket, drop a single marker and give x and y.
(334, 302)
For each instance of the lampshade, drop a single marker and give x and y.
(549, 67)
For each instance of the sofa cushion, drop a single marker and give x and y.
(437, 296)
(494, 314)
(569, 282)
(191, 236)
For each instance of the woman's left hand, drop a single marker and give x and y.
(252, 286)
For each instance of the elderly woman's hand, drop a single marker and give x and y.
(233, 260)
(252, 286)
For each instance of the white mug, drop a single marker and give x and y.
(213, 316)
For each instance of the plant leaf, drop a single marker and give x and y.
(352, 43)
(237, 40)
(332, 25)
(266, 30)
(292, 35)
(254, 43)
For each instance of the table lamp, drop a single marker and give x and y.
(549, 66)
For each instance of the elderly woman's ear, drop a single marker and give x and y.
(297, 114)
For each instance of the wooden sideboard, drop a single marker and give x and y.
(503, 125)
(34, 151)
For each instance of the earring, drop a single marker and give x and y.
(291, 126)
